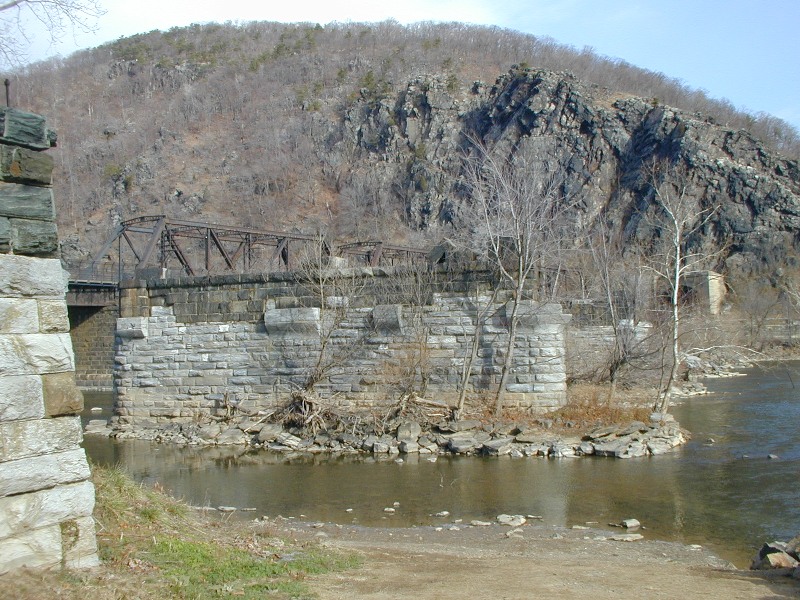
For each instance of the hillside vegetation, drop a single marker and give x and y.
(268, 124)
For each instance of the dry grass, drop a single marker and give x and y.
(589, 406)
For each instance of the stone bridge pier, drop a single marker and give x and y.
(191, 347)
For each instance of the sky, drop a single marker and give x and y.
(746, 51)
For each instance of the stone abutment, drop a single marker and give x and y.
(46, 498)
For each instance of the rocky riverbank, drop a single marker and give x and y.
(408, 436)
(780, 557)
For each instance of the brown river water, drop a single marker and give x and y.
(727, 494)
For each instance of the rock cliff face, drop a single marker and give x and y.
(416, 142)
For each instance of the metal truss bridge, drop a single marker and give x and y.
(157, 246)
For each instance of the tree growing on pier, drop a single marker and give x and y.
(519, 213)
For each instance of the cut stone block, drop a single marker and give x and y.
(35, 354)
(20, 439)
(46, 507)
(42, 472)
(32, 277)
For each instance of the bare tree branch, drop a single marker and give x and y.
(679, 215)
(57, 16)
(519, 215)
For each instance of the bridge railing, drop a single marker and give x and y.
(88, 273)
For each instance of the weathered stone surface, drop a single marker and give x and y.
(46, 507)
(53, 316)
(409, 431)
(5, 235)
(22, 165)
(232, 436)
(528, 437)
(19, 315)
(19, 439)
(497, 447)
(511, 520)
(292, 321)
(269, 432)
(408, 447)
(31, 277)
(776, 555)
(36, 549)
(132, 327)
(79, 543)
(631, 523)
(21, 397)
(34, 238)
(626, 537)
(46, 500)
(462, 444)
(563, 450)
(387, 318)
(42, 472)
(30, 354)
(61, 395)
(289, 440)
(192, 360)
(775, 560)
(462, 425)
(29, 130)
(18, 201)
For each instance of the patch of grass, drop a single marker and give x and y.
(153, 546)
(196, 569)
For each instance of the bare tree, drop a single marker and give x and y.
(679, 215)
(333, 287)
(626, 289)
(18, 16)
(520, 211)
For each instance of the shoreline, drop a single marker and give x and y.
(522, 562)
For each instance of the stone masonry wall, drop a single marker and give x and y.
(92, 332)
(189, 348)
(46, 498)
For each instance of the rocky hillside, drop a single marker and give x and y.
(362, 131)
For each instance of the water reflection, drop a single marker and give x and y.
(704, 493)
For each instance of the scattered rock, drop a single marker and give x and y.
(409, 432)
(777, 555)
(497, 447)
(631, 524)
(511, 520)
(269, 432)
(463, 425)
(626, 537)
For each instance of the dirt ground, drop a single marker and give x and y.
(536, 562)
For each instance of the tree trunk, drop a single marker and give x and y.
(509, 358)
(466, 371)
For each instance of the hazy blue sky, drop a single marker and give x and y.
(747, 51)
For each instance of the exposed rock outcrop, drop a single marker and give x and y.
(415, 143)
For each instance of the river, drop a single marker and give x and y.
(726, 494)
